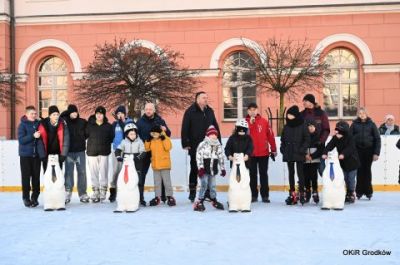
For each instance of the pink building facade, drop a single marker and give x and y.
(54, 41)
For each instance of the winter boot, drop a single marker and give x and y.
(34, 201)
(352, 197)
(84, 198)
(199, 206)
(27, 203)
(113, 194)
(95, 195)
(68, 195)
(308, 196)
(265, 200)
(155, 201)
(143, 203)
(103, 193)
(315, 197)
(302, 198)
(192, 195)
(292, 199)
(217, 204)
(171, 201)
(207, 196)
(347, 198)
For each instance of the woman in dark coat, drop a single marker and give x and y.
(295, 140)
(368, 143)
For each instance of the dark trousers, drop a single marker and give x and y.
(364, 174)
(262, 163)
(142, 177)
(30, 173)
(193, 172)
(300, 175)
(311, 176)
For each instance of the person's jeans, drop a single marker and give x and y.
(78, 159)
(350, 179)
(208, 182)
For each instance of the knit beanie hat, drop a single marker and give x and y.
(72, 108)
(100, 109)
(211, 130)
(120, 109)
(53, 109)
(310, 98)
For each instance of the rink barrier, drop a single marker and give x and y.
(385, 171)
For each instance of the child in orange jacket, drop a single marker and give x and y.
(160, 146)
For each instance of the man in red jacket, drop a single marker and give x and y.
(264, 146)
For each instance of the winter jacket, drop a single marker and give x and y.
(77, 132)
(239, 144)
(29, 146)
(100, 137)
(55, 139)
(118, 128)
(210, 156)
(321, 118)
(366, 135)
(194, 126)
(346, 147)
(145, 124)
(383, 128)
(262, 136)
(294, 142)
(316, 148)
(135, 147)
(160, 152)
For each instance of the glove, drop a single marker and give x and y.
(272, 156)
(140, 156)
(223, 173)
(120, 158)
(162, 137)
(61, 158)
(201, 172)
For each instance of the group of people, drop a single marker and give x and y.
(303, 141)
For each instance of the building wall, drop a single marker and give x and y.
(200, 39)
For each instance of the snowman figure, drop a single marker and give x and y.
(54, 190)
(128, 197)
(239, 193)
(333, 191)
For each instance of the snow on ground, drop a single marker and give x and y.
(271, 234)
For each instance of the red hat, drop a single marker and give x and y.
(211, 130)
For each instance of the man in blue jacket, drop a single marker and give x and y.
(30, 150)
(149, 120)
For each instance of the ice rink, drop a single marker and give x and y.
(271, 234)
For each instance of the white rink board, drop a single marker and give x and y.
(385, 171)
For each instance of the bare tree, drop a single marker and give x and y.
(287, 68)
(5, 93)
(126, 73)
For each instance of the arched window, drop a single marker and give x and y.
(52, 84)
(341, 91)
(237, 91)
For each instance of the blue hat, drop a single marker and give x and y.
(120, 109)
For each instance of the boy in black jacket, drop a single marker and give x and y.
(313, 160)
(240, 142)
(348, 156)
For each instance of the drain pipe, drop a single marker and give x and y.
(12, 70)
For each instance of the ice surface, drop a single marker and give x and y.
(271, 234)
